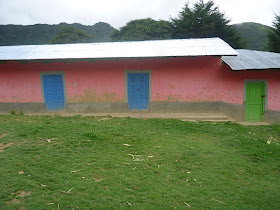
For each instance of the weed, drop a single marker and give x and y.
(90, 135)
(13, 112)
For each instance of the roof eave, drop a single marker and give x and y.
(107, 58)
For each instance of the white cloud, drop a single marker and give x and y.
(118, 13)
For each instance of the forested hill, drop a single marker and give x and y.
(43, 33)
(254, 34)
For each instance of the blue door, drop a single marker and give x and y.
(54, 92)
(138, 91)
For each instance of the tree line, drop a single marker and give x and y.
(203, 20)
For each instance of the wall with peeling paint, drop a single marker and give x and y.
(197, 79)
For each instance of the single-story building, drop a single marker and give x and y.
(187, 75)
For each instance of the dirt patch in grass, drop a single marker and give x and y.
(3, 146)
(4, 134)
(102, 118)
(14, 201)
(97, 179)
(16, 195)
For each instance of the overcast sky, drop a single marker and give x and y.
(118, 12)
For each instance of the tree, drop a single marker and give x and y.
(205, 20)
(274, 36)
(70, 34)
(143, 29)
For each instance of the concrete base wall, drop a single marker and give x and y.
(22, 107)
(34, 108)
(272, 116)
(188, 107)
(236, 112)
(97, 107)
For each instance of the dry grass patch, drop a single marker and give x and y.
(4, 146)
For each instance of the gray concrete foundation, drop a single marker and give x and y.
(234, 111)
(272, 116)
(97, 107)
(22, 107)
(179, 107)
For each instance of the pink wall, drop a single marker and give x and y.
(20, 83)
(173, 79)
(233, 83)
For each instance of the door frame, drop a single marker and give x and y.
(64, 85)
(265, 82)
(126, 83)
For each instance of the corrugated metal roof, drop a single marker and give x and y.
(160, 48)
(252, 59)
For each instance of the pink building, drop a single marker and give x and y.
(193, 75)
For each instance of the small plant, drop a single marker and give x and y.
(21, 112)
(13, 112)
(91, 135)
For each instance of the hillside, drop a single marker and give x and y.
(254, 34)
(43, 33)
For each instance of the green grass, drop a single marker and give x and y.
(102, 162)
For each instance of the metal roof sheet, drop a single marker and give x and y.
(160, 48)
(252, 59)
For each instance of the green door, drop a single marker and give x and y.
(255, 101)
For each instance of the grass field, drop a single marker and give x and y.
(54, 162)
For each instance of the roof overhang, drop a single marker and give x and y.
(253, 60)
(111, 50)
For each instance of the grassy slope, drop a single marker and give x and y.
(254, 34)
(201, 164)
(43, 33)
